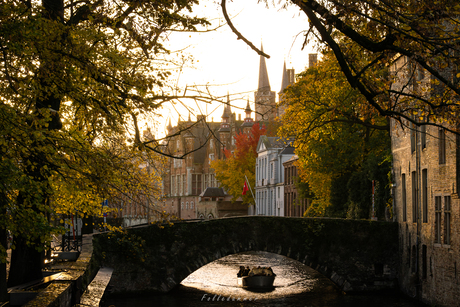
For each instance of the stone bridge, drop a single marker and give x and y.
(356, 255)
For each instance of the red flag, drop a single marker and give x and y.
(245, 188)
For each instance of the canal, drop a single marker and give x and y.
(215, 284)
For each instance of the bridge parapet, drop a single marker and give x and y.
(356, 255)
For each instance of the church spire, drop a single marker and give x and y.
(285, 80)
(264, 84)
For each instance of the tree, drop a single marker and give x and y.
(75, 79)
(336, 135)
(235, 167)
(426, 33)
(419, 41)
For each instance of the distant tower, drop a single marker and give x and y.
(224, 131)
(169, 128)
(265, 106)
(248, 121)
(312, 59)
(288, 79)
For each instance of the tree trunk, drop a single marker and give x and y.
(26, 260)
(26, 263)
(3, 287)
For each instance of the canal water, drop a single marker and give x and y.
(215, 284)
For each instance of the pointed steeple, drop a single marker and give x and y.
(285, 80)
(264, 84)
(225, 125)
(229, 110)
(248, 121)
(248, 109)
(169, 127)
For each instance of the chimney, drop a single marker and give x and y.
(312, 58)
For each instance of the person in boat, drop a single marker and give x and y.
(244, 271)
(265, 271)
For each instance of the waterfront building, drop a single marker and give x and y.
(272, 152)
(294, 203)
(426, 178)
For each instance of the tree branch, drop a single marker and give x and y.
(238, 34)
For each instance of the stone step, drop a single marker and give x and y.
(93, 294)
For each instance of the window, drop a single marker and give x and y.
(413, 132)
(447, 211)
(420, 73)
(182, 205)
(177, 163)
(212, 181)
(442, 146)
(414, 197)
(211, 143)
(178, 184)
(403, 196)
(184, 184)
(186, 205)
(437, 219)
(211, 157)
(423, 136)
(205, 181)
(191, 205)
(424, 196)
(424, 262)
(196, 184)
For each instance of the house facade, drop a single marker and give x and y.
(272, 152)
(294, 203)
(426, 178)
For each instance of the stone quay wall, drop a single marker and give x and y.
(357, 255)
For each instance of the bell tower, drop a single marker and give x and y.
(264, 97)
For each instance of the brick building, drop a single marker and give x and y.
(294, 204)
(426, 177)
(195, 144)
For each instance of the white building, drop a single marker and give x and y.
(272, 153)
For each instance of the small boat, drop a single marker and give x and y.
(257, 278)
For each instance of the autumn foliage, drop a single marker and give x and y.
(231, 171)
(340, 141)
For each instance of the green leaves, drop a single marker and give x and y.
(72, 78)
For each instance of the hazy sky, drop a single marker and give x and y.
(229, 65)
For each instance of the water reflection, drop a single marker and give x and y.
(215, 284)
(219, 277)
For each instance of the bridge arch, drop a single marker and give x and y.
(355, 255)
